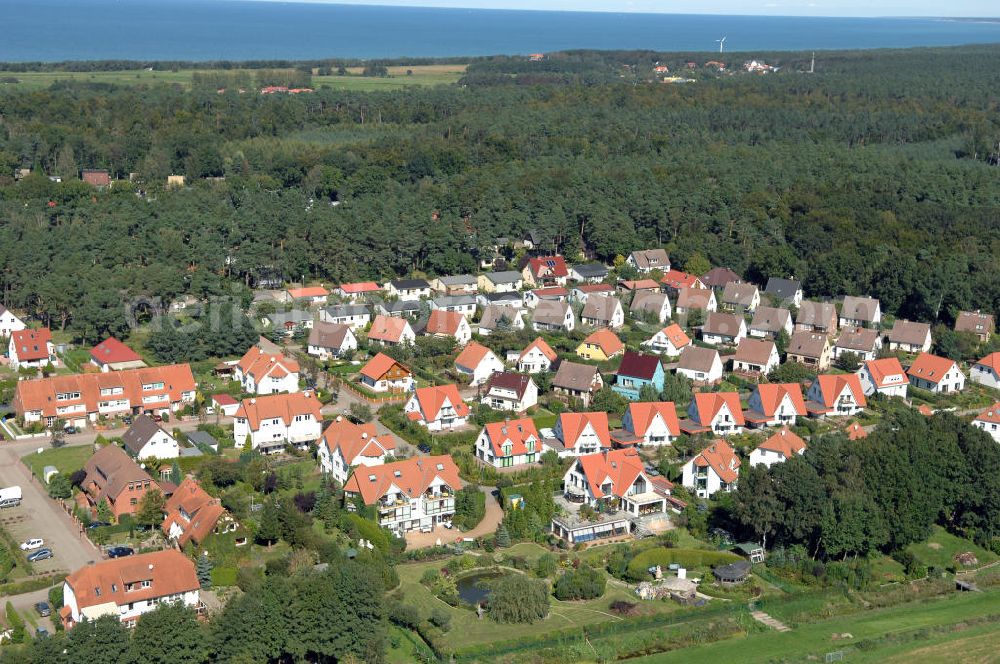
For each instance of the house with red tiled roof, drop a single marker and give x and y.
(442, 323)
(648, 424)
(356, 291)
(510, 391)
(478, 363)
(537, 357)
(885, 376)
(835, 395)
(438, 407)
(509, 443)
(273, 421)
(545, 271)
(669, 341)
(129, 587)
(260, 372)
(225, 404)
(384, 374)
(779, 448)
(716, 468)
(604, 476)
(192, 514)
(855, 431)
(582, 433)
(113, 355)
(987, 371)
(673, 281)
(989, 421)
(96, 177)
(31, 348)
(391, 331)
(346, 445)
(600, 345)
(940, 375)
(310, 294)
(718, 412)
(775, 404)
(413, 494)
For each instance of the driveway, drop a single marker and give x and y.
(442, 535)
(25, 605)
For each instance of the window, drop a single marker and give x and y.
(97, 591)
(133, 501)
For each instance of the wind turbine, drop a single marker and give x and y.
(722, 44)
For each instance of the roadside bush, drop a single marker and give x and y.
(582, 583)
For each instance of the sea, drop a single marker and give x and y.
(57, 30)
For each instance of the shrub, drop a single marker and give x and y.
(404, 615)
(622, 608)
(429, 577)
(582, 583)
(517, 599)
(546, 565)
(441, 619)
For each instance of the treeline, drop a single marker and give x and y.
(847, 498)
(167, 65)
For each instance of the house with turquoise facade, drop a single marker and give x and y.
(636, 371)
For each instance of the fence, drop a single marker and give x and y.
(395, 398)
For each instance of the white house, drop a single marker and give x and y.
(614, 474)
(690, 299)
(327, 340)
(645, 304)
(437, 407)
(779, 448)
(723, 328)
(510, 391)
(603, 311)
(700, 365)
(582, 433)
(716, 468)
(987, 371)
(355, 315)
(462, 304)
(129, 587)
(260, 372)
(648, 425)
(885, 376)
(9, 323)
(771, 322)
(647, 260)
(553, 316)
(937, 374)
(775, 404)
(910, 337)
(443, 323)
(532, 298)
(865, 342)
(860, 312)
(835, 394)
(509, 443)
(740, 297)
(756, 356)
(989, 421)
(146, 439)
(717, 412)
(31, 348)
(346, 445)
(500, 318)
(669, 341)
(414, 494)
(582, 292)
(537, 357)
(384, 374)
(390, 331)
(275, 420)
(478, 363)
(408, 289)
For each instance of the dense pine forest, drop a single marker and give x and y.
(877, 174)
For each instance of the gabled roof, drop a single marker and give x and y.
(601, 308)
(723, 324)
(446, 301)
(258, 363)
(638, 284)
(909, 332)
(783, 289)
(516, 432)
(551, 293)
(708, 404)
(379, 366)
(444, 323)
(283, 407)
(574, 376)
(718, 277)
(855, 431)
(550, 312)
(112, 351)
(329, 335)
(831, 386)
(494, 313)
(430, 400)
(696, 358)
(401, 307)
(991, 414)
(677, 280)
(638, 365)
(356, 440)
(650, 259)
(202, 512)
(347, 310)
(694, 298)
(976, 322)
(411, 476)
(307, 291)
(648, 302)
(360, 287)
(882, 369)
(594, 288)
(785, 443)
(506, 380)
(622, 467)
(458, 280)
(591, 270)
(143, 428)
(643, 413)
(574, 424)
(506, 277)
(754, 351)
(815, 313)
(109, 471)
(991, 361)
(409, 284)
(170, 573)
(548, 266)
(31, 345)
(859, 308)
(740, 293)
(930, 368)
(676, 335)
(770, 319)
(388, 328)
(606, 340)
(542, 347)
(862, 339)
(772, 394)
(472, 355)
(720, 457)
(808, 344)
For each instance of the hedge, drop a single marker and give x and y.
(224, 576)
(31, 585)
(638, 567)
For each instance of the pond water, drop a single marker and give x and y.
(470, 588)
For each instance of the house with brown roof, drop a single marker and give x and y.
(510, 391)
(500, 318)
(811, 349)
(740, 297)
(98, 178)
(716, 468)
(647, 260)
(775, 404)
(650, 306)
(273, 421)
(689, 299)
(412, 494)
(537, 357)
(885, 376)
(192, 515)
(437, 407)
(779, 448)
(449, 324)
(638, 286)
(577, 381)
(113, 355)
(550, 293)
(478, 363)
(330, 340)
(670, 341)
(818, 317)
(989, 421)
(719, 277)
(347, 445)
(702, 366)
(835, 395)
(553, 316)
(146, 439)
(509, 443)
(129, 587)
(860, 312)
(723, 328)
(909, 336)
(31, 349)
(940, 375)
(391, 331)
(769, 322)
(260, 372)
(987, 371)
(755, 357)
(603, 311)
(384, 374)
(112, 476)
(600, 345)
(977, 323)
(865, 342)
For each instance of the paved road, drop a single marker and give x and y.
(25, 605)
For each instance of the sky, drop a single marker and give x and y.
(955, 8)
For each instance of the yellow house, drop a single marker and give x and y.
(175, 181)
(601, 345)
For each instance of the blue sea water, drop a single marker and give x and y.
(52, 30)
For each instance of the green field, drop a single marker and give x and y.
(65, 459)
(939, 550)
(816, 639)
(398, 78)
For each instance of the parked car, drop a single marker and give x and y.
(43, 609)
(32, 544)
(126, 420)
(157, 417)
(69, 429)
(97, 524)
(424, 447)
(41, 632)
(41, 554)
(120, 551)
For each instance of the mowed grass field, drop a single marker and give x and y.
(398, 78)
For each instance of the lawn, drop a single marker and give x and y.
(65, 459)
(545, 419)
(814, 640)
(940, 548)
(977, 645)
